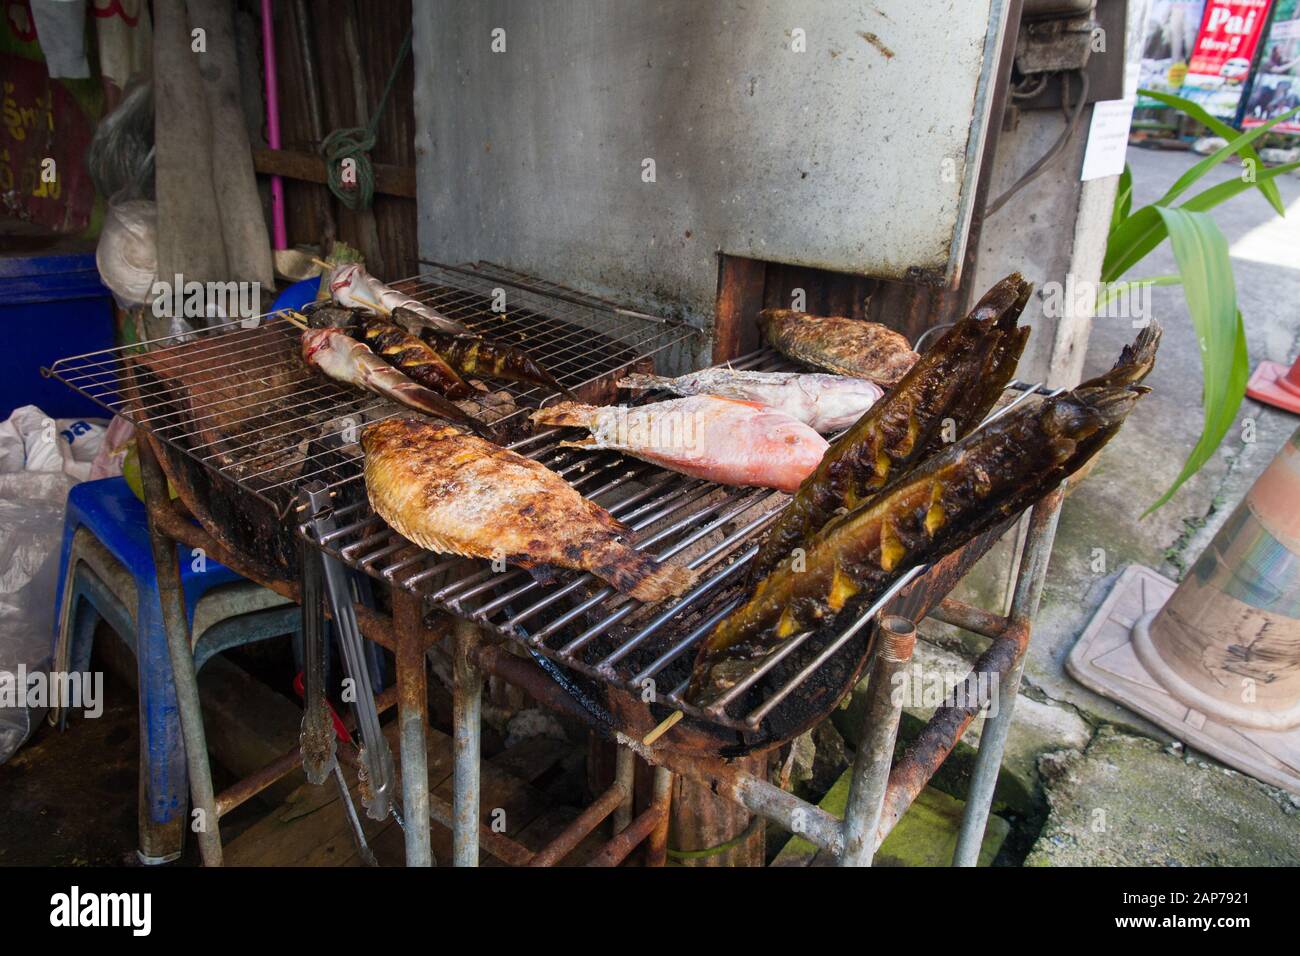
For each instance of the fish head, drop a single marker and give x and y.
(343, 277)
(316, 341)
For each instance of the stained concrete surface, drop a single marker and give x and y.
(1128, 801)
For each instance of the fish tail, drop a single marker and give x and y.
(640, 575)
(565, 413)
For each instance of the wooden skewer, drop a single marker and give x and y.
(663, 728)
(293, 319)
(326, 266)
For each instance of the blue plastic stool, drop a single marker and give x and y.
(106, 572)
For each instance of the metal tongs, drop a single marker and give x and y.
(375, 759)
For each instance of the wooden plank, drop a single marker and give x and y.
(390, 180)
(740, 297)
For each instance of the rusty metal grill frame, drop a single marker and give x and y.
(668, 514)
(579, 338)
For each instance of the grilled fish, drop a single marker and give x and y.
(825, 403)
(954, 496)
(340, 357)
(845, 346)
(456, 494)
(351, 285)
(409, 354)
(473, 355)
(720, 439)
(945, 395)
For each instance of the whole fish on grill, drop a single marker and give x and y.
(720, 439)
(351, 285)
(957, 494)
(944, 395)
(410, 354)
(474, 355)
(456, 494)
(339, 356)
(845, 346)
(825, 403)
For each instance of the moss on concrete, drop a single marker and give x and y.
(1128, 801)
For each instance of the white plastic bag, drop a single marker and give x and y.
(40, 460)
(32, 441)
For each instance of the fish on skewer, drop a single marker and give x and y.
(845, 346)
(342, 358)
(955, 495)
(456, 494)
(410, 354)
(719, 439)
(474, 355)
(943, 397)
(351, 285)
(825, 403)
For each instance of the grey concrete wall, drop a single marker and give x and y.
(856, 155)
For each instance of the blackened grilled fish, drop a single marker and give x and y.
(955, 495)
(456, 494)
(473, 355)
(945, 395)
(411, 355)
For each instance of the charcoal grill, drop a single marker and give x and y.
(236, 403)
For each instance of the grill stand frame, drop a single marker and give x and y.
(407, 636)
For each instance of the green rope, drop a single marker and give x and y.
(355, 143)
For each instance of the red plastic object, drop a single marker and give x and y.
(1276, 385)
(340, 728)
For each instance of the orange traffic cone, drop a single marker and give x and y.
(1275, 385)
(1227, 642)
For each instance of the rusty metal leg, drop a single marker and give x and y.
(624, 774)
(656, 848)
(993, 737)
(467, 699)
(895, 641)
(412, 707)
(177, 628)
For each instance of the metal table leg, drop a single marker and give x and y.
(467, 698)
(993, 738)
(895, 641)
(176, 624)
(412, 707)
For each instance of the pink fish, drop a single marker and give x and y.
(720, 439)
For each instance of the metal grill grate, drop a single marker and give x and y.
(583, 624)
(237, 398)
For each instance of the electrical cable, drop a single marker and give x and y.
(1072, 123)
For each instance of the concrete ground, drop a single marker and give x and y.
(1101, 520)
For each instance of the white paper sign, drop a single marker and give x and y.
(1107, 139)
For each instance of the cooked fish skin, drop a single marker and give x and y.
(958, 379)
(825, 403)
(409, 354)
(351, 285)
(957, 494)
(338, 356)
(473, 355)
(456, 494)
(851, 347)
(719, 439)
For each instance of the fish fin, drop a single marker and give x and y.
(641, 380)
(564, 413)
(639, 575)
